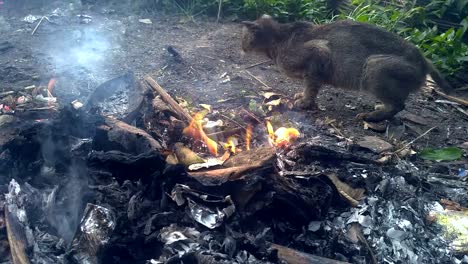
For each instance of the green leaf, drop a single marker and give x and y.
(450, 153)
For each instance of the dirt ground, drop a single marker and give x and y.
(83, 52)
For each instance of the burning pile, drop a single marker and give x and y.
(240, 194)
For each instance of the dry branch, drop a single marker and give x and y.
(292, 256)
(258, 80)
(452, 98)
(129, 137)
(168, 99)
(240, 165)
(16, 239)
(37, 26)
(256, 64)
(226, 133)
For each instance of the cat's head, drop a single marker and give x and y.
(260, 34)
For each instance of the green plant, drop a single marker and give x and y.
(446, 50)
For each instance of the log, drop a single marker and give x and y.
(292, 256)
(130, 138)
(240, 165)
(183, 115)
(16, 239)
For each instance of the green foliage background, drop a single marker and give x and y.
(439, 27)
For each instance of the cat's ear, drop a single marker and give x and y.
(251, 25)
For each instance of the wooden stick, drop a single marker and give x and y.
(16, 239)
(168, 99)
(234, 121)
(128, 136)
(452, 98)
(38, 24)
(240, 165)
(414, 140)
(446, 96)
(258, 80)
(461, 110)
(6, 93)
(293, 256)
(226, 133)
(219, 10)
(256, 64)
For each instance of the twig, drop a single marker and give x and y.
(234, 121)
(168, 99)
(37, 26)
(226, 133)
(6, 93)
(16, 238)
(414, 140)
(258, 80)
(256, 64)
(251, 115)
(449, 97)
(461, 110)
(219, 10)
(452, 98)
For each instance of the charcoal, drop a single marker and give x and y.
(125, 166)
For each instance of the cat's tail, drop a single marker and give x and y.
(438, 78)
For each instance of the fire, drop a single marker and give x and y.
(282, 136)
(231, 144)
(50, 86)
(195, 130)
(248, 136)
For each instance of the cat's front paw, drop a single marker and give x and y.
(362, 116)
(304, 104)
(298, 96)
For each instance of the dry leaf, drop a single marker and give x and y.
(268, 95)
(206, 106)
(172, 159)
(182, 102)
(186, 156)
(350, 194)
(274, 102)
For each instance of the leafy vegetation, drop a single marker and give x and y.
(418, 21)
(445, 154)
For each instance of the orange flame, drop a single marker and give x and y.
(271, 133)
(231, 144)
(50, 86)
(248, 136)
(282, 136)
(195, 130)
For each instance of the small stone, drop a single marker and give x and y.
(415, 118)
(375, 144)
(315, 226)
(464, 145)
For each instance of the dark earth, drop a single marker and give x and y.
(114, 43)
